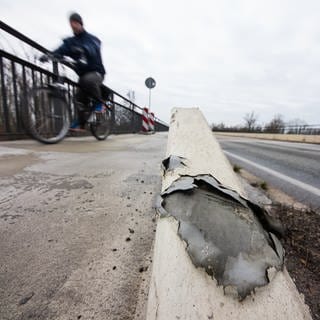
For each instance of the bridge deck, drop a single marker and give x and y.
(76, 226)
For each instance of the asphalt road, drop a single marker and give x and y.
(294, 168)
(76, 227)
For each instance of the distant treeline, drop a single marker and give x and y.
(276, 125)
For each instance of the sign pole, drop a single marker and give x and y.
(150, 84)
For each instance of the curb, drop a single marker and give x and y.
(250, 285)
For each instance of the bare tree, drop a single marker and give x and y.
(251, 120)
(131, 95)
(276, 125)
(218, 127)
(297, 126)
(124, 116)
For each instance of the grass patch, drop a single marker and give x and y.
(302, 247)
(263, 185)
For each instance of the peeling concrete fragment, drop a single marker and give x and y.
(182, 184)
(159, 208)
(269, 223)
(216, 184)
(277, 245)
(271, 273)
(224, 233)
(172, 162)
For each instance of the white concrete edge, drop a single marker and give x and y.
(178, 290)
(189, 139)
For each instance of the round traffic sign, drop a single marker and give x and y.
(150, 83)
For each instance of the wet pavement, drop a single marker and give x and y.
(291, 167)
(76, 226)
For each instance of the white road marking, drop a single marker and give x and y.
(290, 145)
(279, 175)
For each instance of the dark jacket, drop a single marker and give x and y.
(90, 46)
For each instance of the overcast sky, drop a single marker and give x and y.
(227, 57)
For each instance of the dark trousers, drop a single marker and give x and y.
(89, 86)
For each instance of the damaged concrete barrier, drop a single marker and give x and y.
(216, 254)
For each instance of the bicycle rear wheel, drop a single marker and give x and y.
(46, 115)
(101, 126)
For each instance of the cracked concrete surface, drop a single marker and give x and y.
(190, 293)
(76, 227)
(225, 234)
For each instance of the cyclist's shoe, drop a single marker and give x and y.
(100, 108)
(77, 127)
(74, 124)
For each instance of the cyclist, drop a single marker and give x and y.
(84, 48)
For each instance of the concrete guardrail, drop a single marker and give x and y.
(216, 254)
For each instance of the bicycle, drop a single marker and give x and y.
(47, 114)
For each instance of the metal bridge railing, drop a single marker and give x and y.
(18, 74)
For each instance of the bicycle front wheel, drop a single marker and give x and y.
(101, 126)
(46, 115)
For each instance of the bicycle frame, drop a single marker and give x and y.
(60, 81)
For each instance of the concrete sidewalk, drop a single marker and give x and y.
(76, 226)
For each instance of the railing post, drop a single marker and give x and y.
(15, 93)
(4, 97)
(55, 70)
(132, 117)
